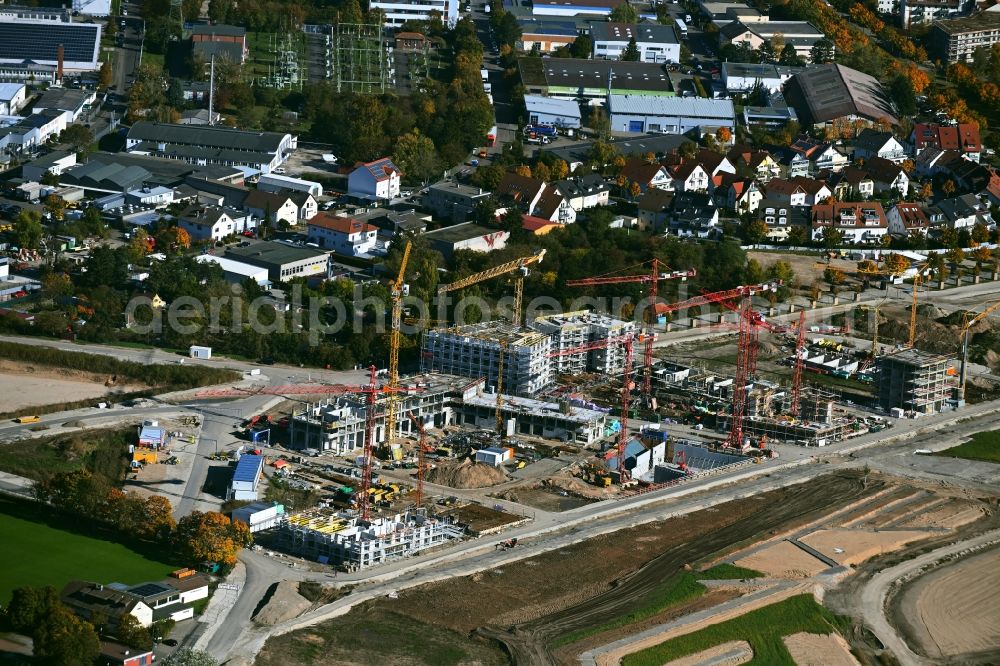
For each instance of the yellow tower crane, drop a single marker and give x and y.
(397, 311)
(966, 333)
(917, 279)
(520, 265)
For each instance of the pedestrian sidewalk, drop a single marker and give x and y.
(221, 604)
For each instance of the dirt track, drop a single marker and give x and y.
(531, 642)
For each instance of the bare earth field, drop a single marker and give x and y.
(36, 386)
(858, 545)
(782, 560)
(955, 610)
(819, 650)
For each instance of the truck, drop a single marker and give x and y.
(540, 130)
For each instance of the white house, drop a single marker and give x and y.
(585, 191)
(342, 234)
(860, 223)
(907, 219)
(870, 143)
(689, 177)
(214, 222)
(306, 204)
(11, 98)
(246, 478)
(271, 207)
(648, 175)
(888, 176)
(656, 43)
(375, 180)
(744, 196)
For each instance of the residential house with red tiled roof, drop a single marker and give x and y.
(861, 223)
(806, 156)
(907, 219)
(378, 180)
(963, 137)
(753, 163)
(343, 235)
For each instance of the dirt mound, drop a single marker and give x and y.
(574, 487)
(930, 310)
(765, 348)
(285, 603)
(466, 474)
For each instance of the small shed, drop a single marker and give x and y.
(151, 437)
(197, 351)
(494, 456)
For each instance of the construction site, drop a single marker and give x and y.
(585, 406)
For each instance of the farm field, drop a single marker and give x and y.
(33, 553)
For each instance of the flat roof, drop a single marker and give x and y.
(574, 73)
(981, 21)
(206, 136)
(39, 41)
(642, 32)
(689, 107)
(273, 252)
(459, 232)
(248, 468)
(231, 265)
(759, 70)
(548, 105)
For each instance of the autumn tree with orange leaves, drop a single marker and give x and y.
(210, 537)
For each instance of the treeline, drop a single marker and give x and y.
(160, 375)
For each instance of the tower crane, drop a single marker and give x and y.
(397, 311)
(799, 363)
(750, 321)
(422, 450)
(626, 341)
(520, 265)
(651, 279)
(917, 279)
(966, 333)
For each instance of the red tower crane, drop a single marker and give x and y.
(800, 345)
(651, 279)
(750, 321)
(422, 449)
(626, 395)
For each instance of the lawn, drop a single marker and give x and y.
(983, 446)
(727, 571)
(762, 628)
(33, 553)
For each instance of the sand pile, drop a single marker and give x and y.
(466, 474)
(285, 603)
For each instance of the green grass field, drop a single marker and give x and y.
(983, 446)
(727, 571)
(762, 628)
(36, 554)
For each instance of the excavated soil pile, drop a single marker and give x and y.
(465, 475)
(285, 603)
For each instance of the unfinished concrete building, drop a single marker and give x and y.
(341, 539)
(914, 381)
(336, 425)
(569, 330)
(474, 351)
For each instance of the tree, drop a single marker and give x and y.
(755, 232)
(139, 246)
(949, 187)
(600, 123)
(131, 633)
(559, 169)
(174, 240)
(55, 207)
(523, 170)
(624, 13)
(902, 93)
(631, 52)
(488, 176)
(189, 657)
(896, 264)
(542, 172)
(980, 233)
(175, 93)
(56, 284)
(77, 136)
(797, 236)
(832, 237)
(49, 178)
(211, 537)
(789, 56)
(724, 135)
(28, 606)
(926, 191)
(955, 256)
(106, 76)
(28, 229)
(64, 639)
(834, 276)
(822, 52)
(582, 47)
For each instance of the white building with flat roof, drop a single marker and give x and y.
(550, 111)
(669, 115)
(272, 182)
(236, 271)
(398, 12)
(656, 43)
(11, 98)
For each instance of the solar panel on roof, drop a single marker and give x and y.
(40, 41)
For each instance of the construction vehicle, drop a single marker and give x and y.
(27, 419)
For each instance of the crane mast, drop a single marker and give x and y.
(394, 340)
